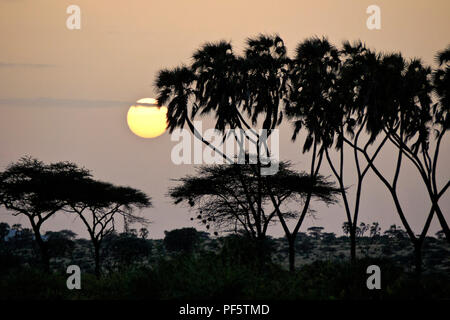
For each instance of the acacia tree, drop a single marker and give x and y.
(37, 190)
(239, 91)
(226, 197)
(99, 204)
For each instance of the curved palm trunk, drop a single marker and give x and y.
(291, 236)
(443, 222)
(313, 173)
(352, 218)
(418, 244)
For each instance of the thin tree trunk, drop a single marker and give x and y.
(291, 243)
(97, 259)
(262, 254)
(45, 258)
(44, 254)
(352, 244)
(418, 257)
(442, 221)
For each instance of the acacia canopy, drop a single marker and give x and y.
(226, 196)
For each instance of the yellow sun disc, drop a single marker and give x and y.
(146, 119)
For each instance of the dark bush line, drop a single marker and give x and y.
(209, 278)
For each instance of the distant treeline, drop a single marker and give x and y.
(188, 264)
(18, 248)
(346, 104)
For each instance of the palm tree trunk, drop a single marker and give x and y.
(418, 257)
(443, 223)
(291, 243)
(352, 244)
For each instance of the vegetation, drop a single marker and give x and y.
(97, 204)
(339, 101)
(331, 96)
(234, 198)
(38, 191)
(190, 265)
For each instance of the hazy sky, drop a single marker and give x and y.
(64, 94)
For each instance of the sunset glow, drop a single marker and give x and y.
(146, 119)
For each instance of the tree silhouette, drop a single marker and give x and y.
(311, 107)
(315, 232)
(237, 90)
(125, 248)
(98, 204)
(441, 118)
(22, 238)
(60, 243)
(362, 229)
(348, 122)
(143, 233)
(396, 102)
(175, 87)
(375, 230)
(395, 232)
(4, 231)
(226, 197)
(37, 190)
(181, 240)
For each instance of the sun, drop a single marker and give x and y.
(146, 120)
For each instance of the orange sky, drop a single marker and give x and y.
(64, 94)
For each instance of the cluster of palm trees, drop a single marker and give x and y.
(346, 104)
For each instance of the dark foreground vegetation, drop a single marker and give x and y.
(339, 100)
(188, 264)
